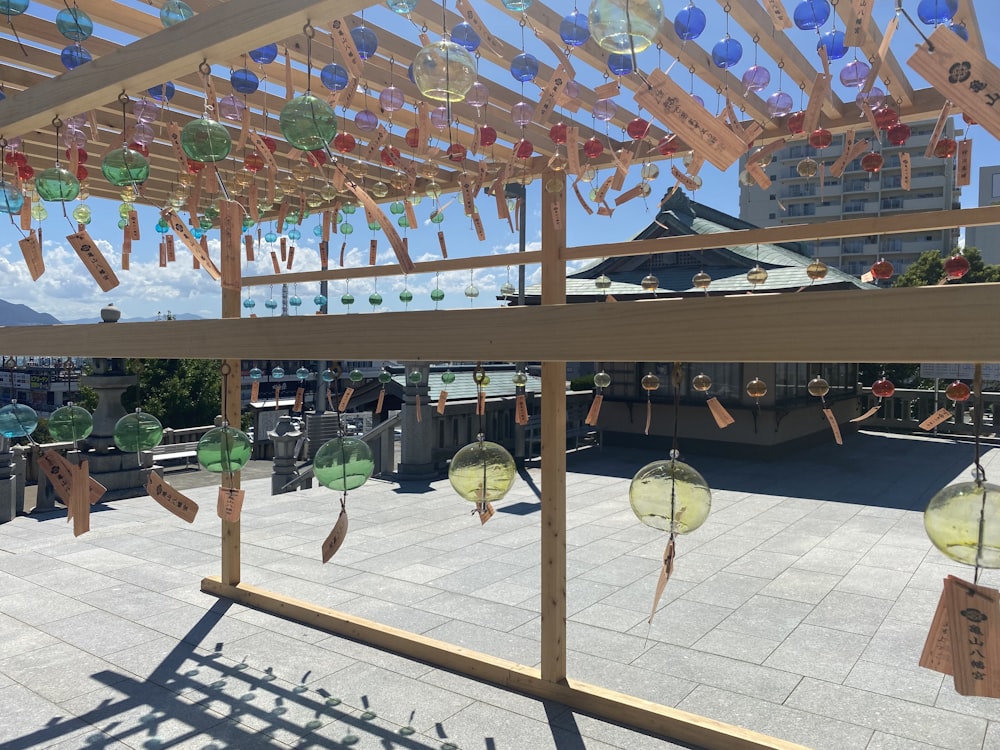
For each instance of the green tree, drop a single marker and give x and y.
(928, 270)
(178, 392)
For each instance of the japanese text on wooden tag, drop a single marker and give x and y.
(857, 27)
(776, 9)
(177, 224)
(936, 654)
(963, 163)
(868, 414)
(230, 504)
(300, 394)
(94, 260)
(934, 420)
(521, 410)
(834, 427)
(974, 626)
(180, 505)
(336, 537)
(344, 44)
(345, 399)
(32, 253)
(58, 470)
(962, 75)
(442, 400)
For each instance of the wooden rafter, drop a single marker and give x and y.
(833, 326)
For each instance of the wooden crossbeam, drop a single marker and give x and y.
(938, 324)
(898, 224)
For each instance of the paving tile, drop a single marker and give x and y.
(854, 613)
(877, 582)
(583, 726)
(60, 671)
(801, 586)
(762, 564)
(610, 618)
(71, 580)
(129, 601)
(480, 724)
(726, 589)
(818, 652)
(895, 638)
(947, 698)
(784, 722)
(31, 721)
(912, 684)
(945, 729)
(143, 714)
(792, 542)
(37, 605)
(411, 619)
(891, 557)
(883, 741)
(514, 647)
(288, 658)
(638, 596)
(681, 621)
(992, 736)
(763, 682)
(736, 645)
(915, 605)
(476, 611)
(99, 633)
(821, 559)
(767, 617)
(194, 625)
(29, 563)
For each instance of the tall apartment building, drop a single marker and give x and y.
(987, 239)
(793, 199)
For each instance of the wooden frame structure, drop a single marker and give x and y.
(936, 324)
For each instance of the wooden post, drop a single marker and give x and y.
(553, 521)
(231, 217)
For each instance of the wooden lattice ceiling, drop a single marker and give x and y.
(133, 52)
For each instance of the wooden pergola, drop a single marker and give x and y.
(939, 324)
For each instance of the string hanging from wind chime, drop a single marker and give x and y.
(649, 383)
(670, 495)
(963, 522)
(225, 450)
(756, 389)
(482, 472)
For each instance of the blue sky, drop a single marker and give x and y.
(67, 292)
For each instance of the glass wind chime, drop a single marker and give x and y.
(670, 495)
(482, 472)
(342, 464)
(963, 522)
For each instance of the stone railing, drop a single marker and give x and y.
(907, 408)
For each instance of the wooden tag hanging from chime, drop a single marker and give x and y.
(447, 378)
(601, 381)
(964, 638)
(702, 383)
(819, 388)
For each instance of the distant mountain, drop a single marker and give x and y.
(97, 319)
(22, 315)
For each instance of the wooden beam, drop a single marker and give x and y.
(393, 269)
(221, 32)
(553, 518)
(232, 400)
(898, 224)
(607, 704)
(934, 324)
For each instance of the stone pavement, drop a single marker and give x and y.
(799, 609)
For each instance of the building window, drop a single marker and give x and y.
(889, 204)
(854, 206)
